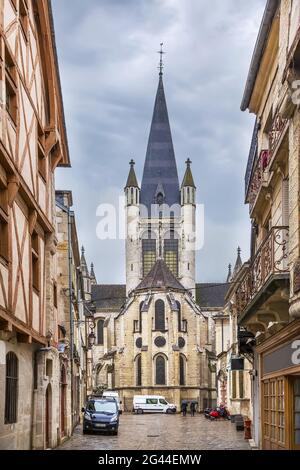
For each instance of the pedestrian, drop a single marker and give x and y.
(184, 408)
(193, 408)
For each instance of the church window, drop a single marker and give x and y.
(140, 317)
(132, 196)
(160, 370)
(160, 322)
(139, 371)
(149, 253)
(171, 253)
(179, 316)
(182, 369)
(11, 388)
(100, 332)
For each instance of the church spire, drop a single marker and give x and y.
(160, 178)
(132, 180)
(188, 180)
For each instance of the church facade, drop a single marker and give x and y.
(153, 337)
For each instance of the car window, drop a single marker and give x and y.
(151, 401)
(163, 402)
(102, 406)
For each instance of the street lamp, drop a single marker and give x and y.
(92, 339)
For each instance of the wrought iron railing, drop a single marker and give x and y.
(276, 132)
(259, 176)
(270, 259)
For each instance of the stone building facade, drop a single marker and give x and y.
(234, 364)
(267, 295)
(33, 143)
(155, 335)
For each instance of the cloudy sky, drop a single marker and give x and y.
(108, 64)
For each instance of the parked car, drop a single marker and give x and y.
(115, 395)
(101, 414)
(152, 404)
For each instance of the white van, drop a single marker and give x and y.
(152, 404)
(115, 395)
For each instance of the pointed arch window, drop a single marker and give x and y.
(182, 367)
(179, 315)
(149, 252)
(171, 252)
(11, 388)
(138, 366)
(160, 370)
(100, 332)
(141, 317)
(160, 320)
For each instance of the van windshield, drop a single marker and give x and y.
(102, 406)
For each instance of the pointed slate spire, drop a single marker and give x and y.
(83, 263)
(229, 277)
(132, 180)
(160, 165)
(92, 275)
(188, 179)
(238, 263)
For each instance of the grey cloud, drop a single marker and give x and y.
(108, 62)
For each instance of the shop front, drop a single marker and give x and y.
(280, 389)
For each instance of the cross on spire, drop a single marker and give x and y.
(188, 162)
(161, 64)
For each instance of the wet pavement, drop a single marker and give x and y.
(162, 432)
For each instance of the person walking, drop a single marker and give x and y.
(184, 408)
(193, 408)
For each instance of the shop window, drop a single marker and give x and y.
(297, 413)
(241, 384)
(233, 385)
(274, 413)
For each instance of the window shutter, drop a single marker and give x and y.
(285, 202)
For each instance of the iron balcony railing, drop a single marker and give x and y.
(259, 176)
(276, 132)
(271, 259)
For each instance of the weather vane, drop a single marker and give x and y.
(161, 64)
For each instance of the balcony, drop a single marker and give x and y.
(268, 268)
(260, 176)
(277, 134)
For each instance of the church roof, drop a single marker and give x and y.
(132, 180)
(110, 297)
(159, 277)
(160, 168)
(211, 295)
(188, 179)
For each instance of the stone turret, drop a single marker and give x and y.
(132, 195)
(188, 215)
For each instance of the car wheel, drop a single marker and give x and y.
(115, 433)
(84, 431)
(169, 411)
(140, 412)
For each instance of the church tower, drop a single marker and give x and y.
(160, 217)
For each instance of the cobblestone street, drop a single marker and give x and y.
(162, 432)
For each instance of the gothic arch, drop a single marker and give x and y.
(160, 315)
(160, 362)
